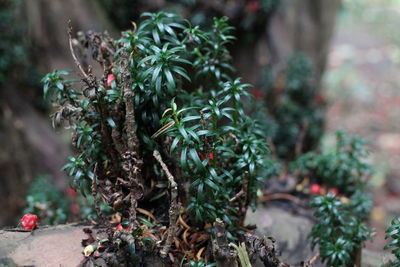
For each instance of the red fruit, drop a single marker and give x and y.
(210, 156)
(257, 93)
(320, 99)
(334, 191)
(110, 78)
(120, 227)
(253, 6)
(315, 189)
(71, 192)
(29, 221)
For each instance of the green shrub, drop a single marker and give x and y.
(339, 232)
(172, 90)
(393, 232)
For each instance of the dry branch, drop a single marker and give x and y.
(221, 250)
(174, 207)
(71, 47)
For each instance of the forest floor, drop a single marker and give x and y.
(363, 89)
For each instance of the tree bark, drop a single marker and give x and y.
(305, 26)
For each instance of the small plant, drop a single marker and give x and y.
(393, 232)
(343, 206)
(339, 233)
(343, 166)
(163, 127)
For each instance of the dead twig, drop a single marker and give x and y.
(272, 148)
(235, 197)
(300, 140)
(174, 207)
(311, 261)
(94, 193)
(71, 48)
(279, 196)
(221, 250)
(133, 141)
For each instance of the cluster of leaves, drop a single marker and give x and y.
(211, 143)
(343, 166)
(219, 157)
(47, 202)
(339, 232)
(294, 108)
(393, 232)
(341, 229)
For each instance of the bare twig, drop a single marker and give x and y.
(272, 148)
(133, 167)
(244, 199)
(279, 196)
(94, 192)
(71, 48)
(300, 140)
(133, 141)
(170, 177)
(235, 197)
(174, 207)
(221, 250)
(311, 261)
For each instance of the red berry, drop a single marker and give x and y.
(71, 192)
(210, 156)
(110, 78)
(320, 99)
(315, 189)
(120, 227)
(253, 6)
(29, 221)
(334, 191)
(257, 93)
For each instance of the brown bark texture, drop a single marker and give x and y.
(305, 26)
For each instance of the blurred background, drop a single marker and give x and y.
(316, 65)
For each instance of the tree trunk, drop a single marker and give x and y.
(305, 26)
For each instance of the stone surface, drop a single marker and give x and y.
(289, 230)
(48, 246)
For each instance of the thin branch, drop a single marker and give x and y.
(170, 177)
(235, 197)
(272, 148)
(94, 193)
(312, 260)
(133, 141)
(71, 48)
(221, 250)
(300, 140)
(279, 196)
(174, 207)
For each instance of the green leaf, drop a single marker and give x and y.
(111, 122)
